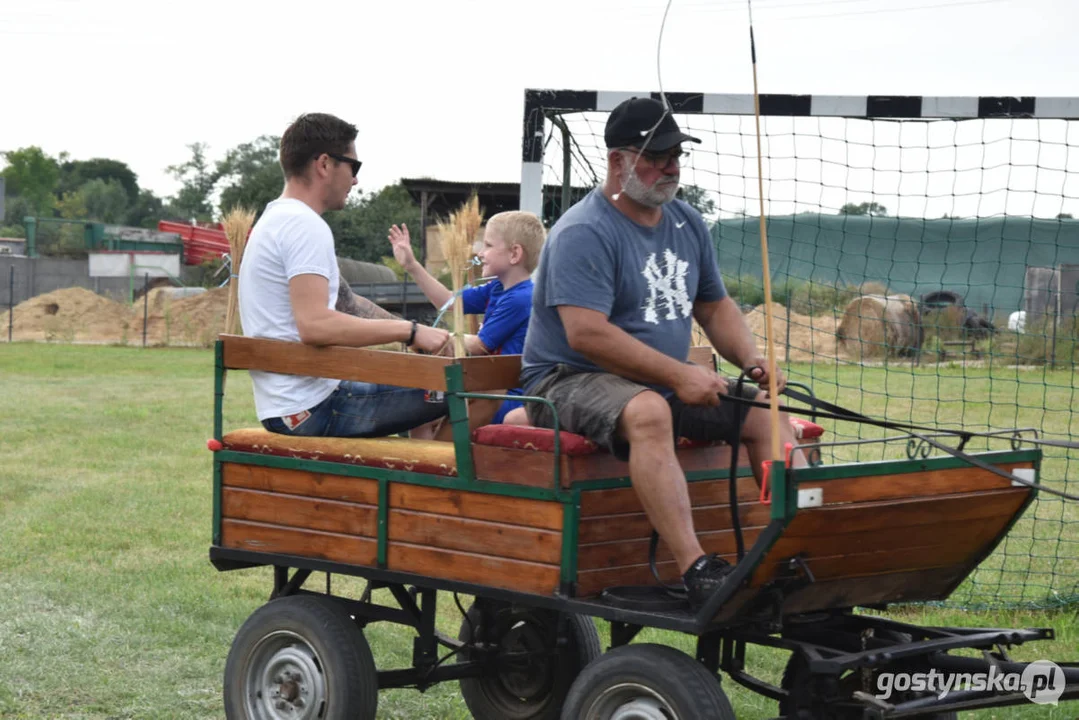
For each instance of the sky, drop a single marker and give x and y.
(436, 87)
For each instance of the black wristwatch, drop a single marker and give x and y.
(412, 335)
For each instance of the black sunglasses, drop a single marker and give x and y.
(351, 161)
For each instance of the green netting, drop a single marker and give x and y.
(900, 252)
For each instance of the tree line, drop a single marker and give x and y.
(107, 190)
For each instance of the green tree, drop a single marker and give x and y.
(105, 201)
(32, 175)
(251, 174)
(1065, 216)
(145, 211)
(866, 208)
(700, 200)
(197, 180)
(74, 174)
(360, 229)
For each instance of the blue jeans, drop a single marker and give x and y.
(358, 409)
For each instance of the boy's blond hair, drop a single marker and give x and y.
(517, 227)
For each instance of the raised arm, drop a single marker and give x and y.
(435, 291)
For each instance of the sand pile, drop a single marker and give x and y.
(196, 320)
(70, 315)
(811, 338)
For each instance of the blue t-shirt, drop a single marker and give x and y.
(505, 323)
(644, 279)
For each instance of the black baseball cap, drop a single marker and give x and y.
(631, 123)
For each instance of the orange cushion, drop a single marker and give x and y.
(390, 453)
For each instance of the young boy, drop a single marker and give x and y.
(511, 247)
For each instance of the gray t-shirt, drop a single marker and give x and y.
(645, 280)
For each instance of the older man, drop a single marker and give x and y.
(621, 278)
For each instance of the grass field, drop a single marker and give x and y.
(109, 607)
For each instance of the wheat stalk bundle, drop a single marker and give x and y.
(237, 222)
(456, 238)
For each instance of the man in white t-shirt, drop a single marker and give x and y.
(289, 285)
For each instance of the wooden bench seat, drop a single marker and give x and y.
(502, 453)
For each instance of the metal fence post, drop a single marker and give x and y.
(145, 306)
(11, 302)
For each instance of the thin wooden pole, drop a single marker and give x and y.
(773, 396)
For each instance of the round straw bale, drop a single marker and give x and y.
(876, 325)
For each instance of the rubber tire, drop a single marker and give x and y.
(324, 624)
(488, 697)
(689, 689)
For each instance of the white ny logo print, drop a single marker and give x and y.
(667, 285)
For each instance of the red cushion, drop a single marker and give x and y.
(805, 430)
(533, 438)
(542, 439)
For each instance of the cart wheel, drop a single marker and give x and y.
(300, 658)
(808, 697)
(647, 682)
(532, 687)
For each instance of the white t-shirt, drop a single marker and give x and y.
(289, 239)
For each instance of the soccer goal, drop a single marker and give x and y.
(925, 268)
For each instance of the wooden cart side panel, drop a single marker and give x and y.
(913, 484)
(260, 537)
(893, 536)
(507, 542)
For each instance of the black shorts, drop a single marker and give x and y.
(590, 404)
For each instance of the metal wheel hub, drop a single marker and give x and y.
(527, 678)
(630, 701)
(284, 679)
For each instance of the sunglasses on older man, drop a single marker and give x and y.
(351, 161)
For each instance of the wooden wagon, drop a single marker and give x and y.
(536, 524)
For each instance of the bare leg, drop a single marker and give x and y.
(517, 416)
(757, 436)
(656, 475)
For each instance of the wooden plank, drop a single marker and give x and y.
(300, 482)
(702, 355)
(478, 536)
(935, 584)
(702, 492)
(525, 512)
(621, 553)
(842, 542)
(910, 513)
(491, 372)
(260, 537)
(343, 363)
(592, 582)
(931, 547)
(914, 484)
(300, 512)
(915, 586)
(610, 528)
(519, 575)
(535, 469)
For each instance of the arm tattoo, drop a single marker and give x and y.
(352, 304)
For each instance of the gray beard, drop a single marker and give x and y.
(653, 197)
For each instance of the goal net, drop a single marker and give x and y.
(925, 269)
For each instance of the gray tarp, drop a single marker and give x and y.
(983, 259)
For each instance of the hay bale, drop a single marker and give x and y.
(357, 272)
(879, 325)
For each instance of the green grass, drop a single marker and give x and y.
(109, 607)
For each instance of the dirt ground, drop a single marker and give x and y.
(79, 315)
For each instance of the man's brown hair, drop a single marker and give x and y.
(311, 135)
